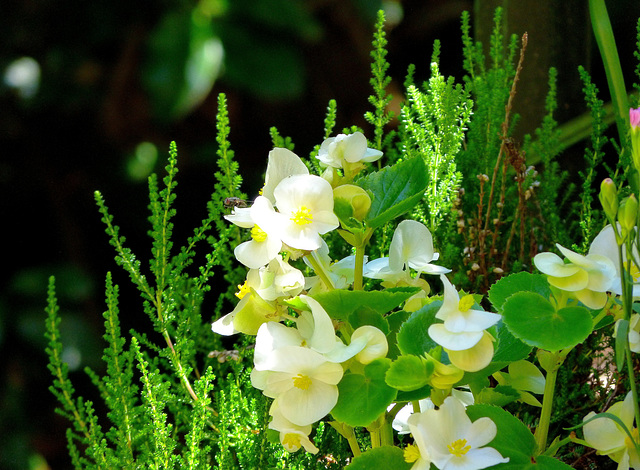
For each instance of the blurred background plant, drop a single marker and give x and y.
(92, 93)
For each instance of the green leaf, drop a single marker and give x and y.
(395, 321)
(340, 304)
(362, 398)
(380, 457)
(501, 395)
(395, 190)
(409, 373)
(413, 337)
(513, 439)
(621, 342)
(519, 282)
(368, 316)
(422, 392)
(535, 321)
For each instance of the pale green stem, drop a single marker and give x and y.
(553, 448)
(319, 270)
(375, 438)
(357, 273)
(353, 442)
(542, 430)
(386, 433)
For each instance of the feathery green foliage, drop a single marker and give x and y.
(380, 116)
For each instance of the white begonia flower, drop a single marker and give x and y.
(411, 247)
(451, 441)
(292, 437)
(351, 148)
(315, 331)
(604, 435)
(305, 205)
(247, 316)
(276, 280)
(463, 326)
(302, 381)
(400, 420)
(605, 244)
(265, 243)
(281, 164)
(587, 277)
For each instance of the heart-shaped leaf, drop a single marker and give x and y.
(535, 321)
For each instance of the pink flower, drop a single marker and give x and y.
(634, 118)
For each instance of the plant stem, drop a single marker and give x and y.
(319, 270)
(357, 273)
(547, 403)
(353, 442)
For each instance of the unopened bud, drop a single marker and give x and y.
(609, 198)
(627, 215)
(356, 197)
(634, 120)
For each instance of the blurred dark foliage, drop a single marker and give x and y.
(111, 77)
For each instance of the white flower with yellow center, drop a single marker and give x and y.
(588, 277)
(462, 333)
(449, 439)
(351, 148)
(608, 438)
(305, 211)
(292, 437)
(302, 381)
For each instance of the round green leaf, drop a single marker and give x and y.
(514, 283)
(362, 398)
(413, 337)
(380, 457)
(535, 321)
(408, 373)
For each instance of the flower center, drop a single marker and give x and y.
(466, 303)
(636, 437)
(243, 289)
(635, 272)
(411, 453)
(459, 447)
(301, 381)
(302, 216)
(258, 234)
(291, 440)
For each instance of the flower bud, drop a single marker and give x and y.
(356, 197)
(609, 198)
(627, 215)
(634, 121)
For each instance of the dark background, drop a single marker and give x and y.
(110, 73)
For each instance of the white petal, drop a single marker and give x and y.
(304, 407)
(552, 264)
(603, 434)
(481, 432)
(281, 164)
(241, 216)
(453, 341)
(323, 338)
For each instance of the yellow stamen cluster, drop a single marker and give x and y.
(258, 234)
(466, 303)
(459, 447)
(243, 289)
(636, 437)
(411, 453)
(302, 216)
(303, 382)
(291, 440)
